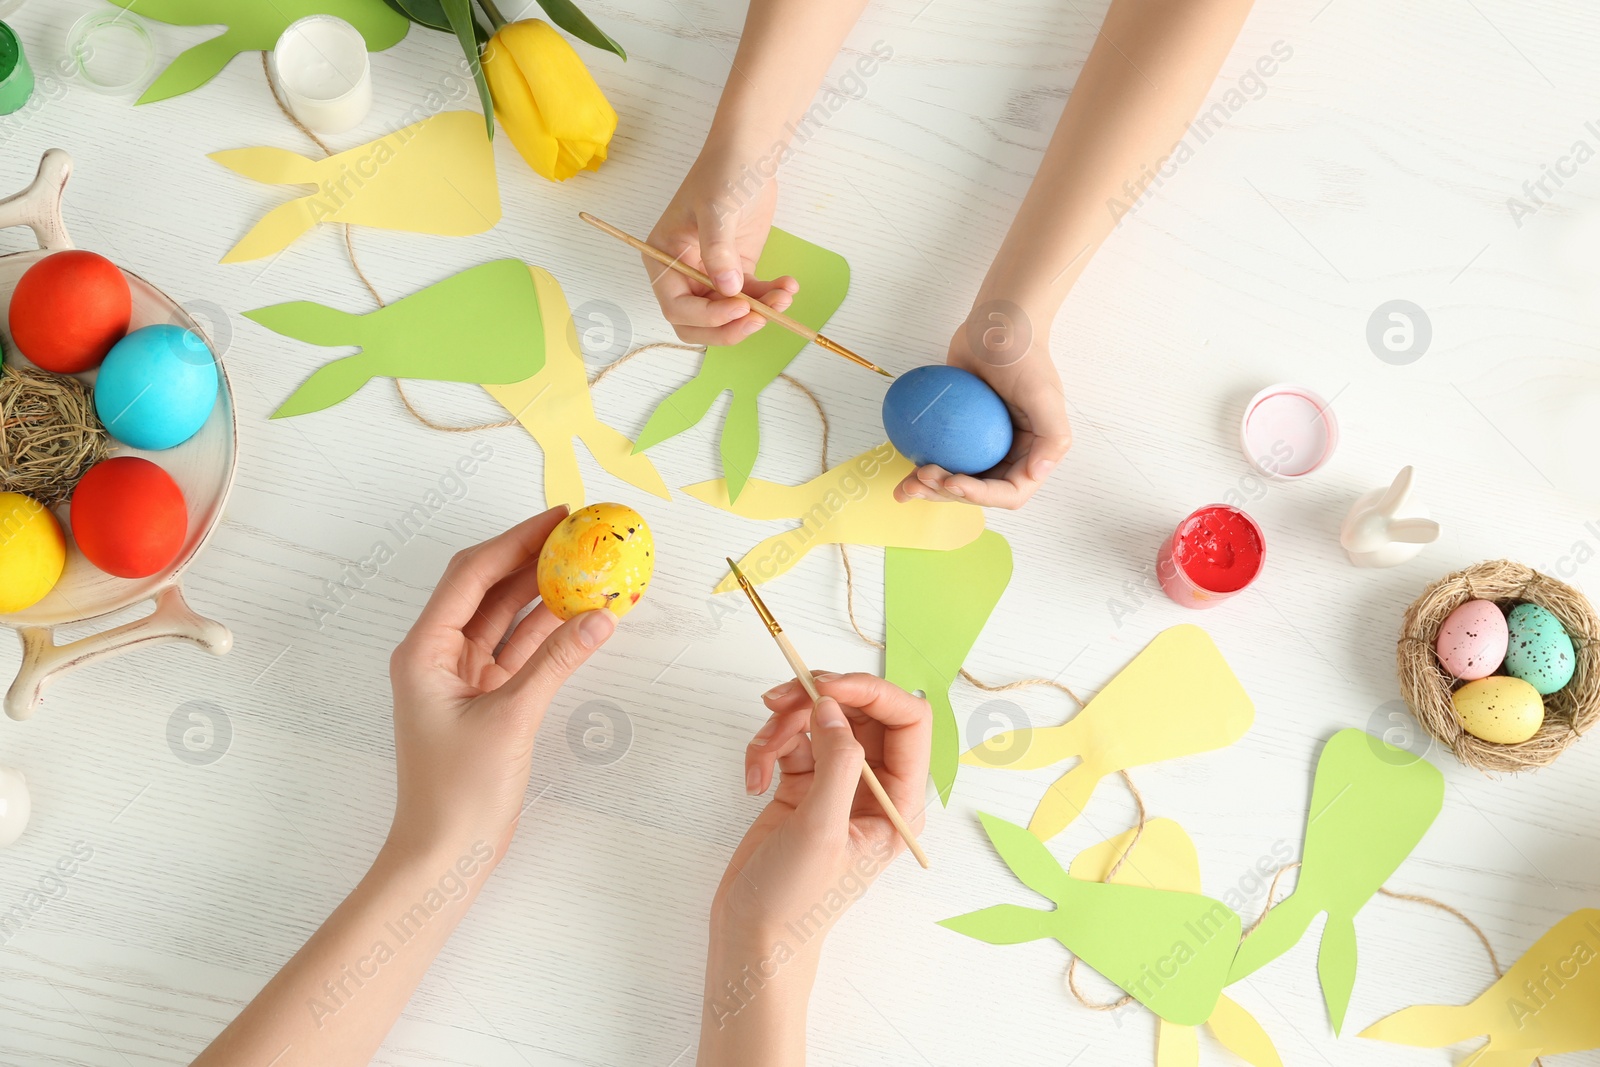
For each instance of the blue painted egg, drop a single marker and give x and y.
(1540, 651)
(948, 417)
(156, 387)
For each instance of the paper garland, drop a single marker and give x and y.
(934, 606)
(750, 366)
(851, 504)
(1168, 950)
(435, 176)
(1162, 856)
(253, 27)
(504, 325)
(555, 407)
(1370, 805)
(1178, 697)
(1546, 1004)
(482, 325)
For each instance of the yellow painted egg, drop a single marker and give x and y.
(600, 556)
(1499, 709)
(33, 552)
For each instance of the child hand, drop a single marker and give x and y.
(719, 226)
(1031, 388)
(824, 838)
(465, 708)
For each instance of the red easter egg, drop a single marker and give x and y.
(69, 309)
(128, 517)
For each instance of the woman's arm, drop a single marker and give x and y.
(809, 855)
(719, 218)
(470, 690)
(1145, 79)
(337, 997)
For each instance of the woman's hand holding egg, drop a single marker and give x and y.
(998, 344)
(471, 686)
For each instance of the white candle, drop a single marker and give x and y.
(324, 73)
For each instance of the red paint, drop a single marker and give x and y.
(1213, 554)
(128, 517)
(69, 309)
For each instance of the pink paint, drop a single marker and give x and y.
(1212, 555)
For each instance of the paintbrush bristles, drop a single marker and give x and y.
(755, 599)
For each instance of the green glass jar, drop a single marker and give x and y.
(16, 77)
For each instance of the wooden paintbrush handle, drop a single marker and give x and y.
(698, 275)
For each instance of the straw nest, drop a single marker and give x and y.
(1426, 685)
(49, 434)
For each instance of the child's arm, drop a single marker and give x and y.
(719, 219)
(464, 723)
(1145, 78)
(809, 855)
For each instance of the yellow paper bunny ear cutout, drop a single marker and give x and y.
(1178, 697)
(436, 176)
(1546, 1004)
(852, 504)
(556, 408)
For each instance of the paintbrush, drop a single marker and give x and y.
(804, 675)
(793, 325)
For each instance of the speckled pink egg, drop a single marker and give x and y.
(1472, 640)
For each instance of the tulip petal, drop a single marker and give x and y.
(571, 102)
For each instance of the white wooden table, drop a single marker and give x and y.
(1375, 165)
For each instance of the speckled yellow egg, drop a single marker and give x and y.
(1499, 709)
(33, 552)
(601, 556)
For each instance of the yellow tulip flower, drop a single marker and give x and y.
(547, 100)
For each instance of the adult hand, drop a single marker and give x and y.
(470, 690)
(718, 223)
(1017, 365)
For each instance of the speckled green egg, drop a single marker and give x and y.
(600, 556)
(1539, 651)
(1505, 711)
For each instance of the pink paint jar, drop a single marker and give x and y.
(1214, 554)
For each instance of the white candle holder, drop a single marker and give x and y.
(323, 71)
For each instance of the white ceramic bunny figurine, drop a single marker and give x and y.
(1385, 528)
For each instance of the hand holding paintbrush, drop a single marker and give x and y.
(907, 713)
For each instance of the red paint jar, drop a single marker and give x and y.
(1212, 555)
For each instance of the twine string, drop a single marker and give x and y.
(850, 599)
(49, 434)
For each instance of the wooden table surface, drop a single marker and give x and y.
(1374, 164)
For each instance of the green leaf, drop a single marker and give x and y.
(459, 12)
(565, 13)
(430, 13)
(423, 12)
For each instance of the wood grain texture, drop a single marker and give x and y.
(1375, 164)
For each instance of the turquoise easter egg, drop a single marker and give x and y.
(949, 417)
(1539, 651)
(156, 387)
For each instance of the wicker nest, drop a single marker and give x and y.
(1426, 685)
(49, 434)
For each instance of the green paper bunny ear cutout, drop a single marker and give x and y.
(750, 366)
(1371, 804)
(935, 604)
(252, 27)
(1168, 950)
(482, 325)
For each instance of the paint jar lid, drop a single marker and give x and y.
(1288, 431)
(111, 51)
